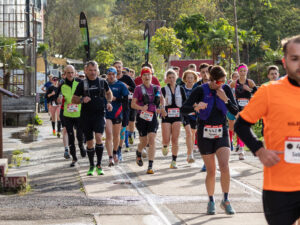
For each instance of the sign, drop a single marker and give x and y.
(147, 42)
(83, 25)
(40, 81)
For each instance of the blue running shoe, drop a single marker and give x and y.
(211, 208)
(225, 205)
(119, 153)
(203, 168)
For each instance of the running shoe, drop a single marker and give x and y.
(119, 153)
(231, 146)
(130, 139)
(203, 169)
(82, 151)
(211, 208)
(241, 154)
(58, 134)
(173, 165)
(54, 133)
(190, 159)
(150, 170)
(237, 148)
(116, 159)
(165, 151)
(225, 205)
(91, 171)
(66, 154)
(127, 149)
(73, 163)
(144, 153)
(111, 163)
(99, 170)
(139, 161)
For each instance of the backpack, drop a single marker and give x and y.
(86, 91)
(146, 99)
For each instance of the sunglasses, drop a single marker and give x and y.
(218, 82)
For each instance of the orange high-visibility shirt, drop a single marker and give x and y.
(278, 103)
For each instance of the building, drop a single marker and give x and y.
(22, 20)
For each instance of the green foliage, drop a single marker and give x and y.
(104, 59)
(42, 47)
(166, 43)
(38, 120)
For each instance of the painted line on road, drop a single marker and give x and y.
(167, 216)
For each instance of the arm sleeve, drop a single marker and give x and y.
(131, 84)
(195, 97)
(244, 131)
(106, 87)
(79, 89)
(232, 105)
(163, 92)
(183, 94)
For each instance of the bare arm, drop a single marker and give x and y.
(109, 96)
(75, 99)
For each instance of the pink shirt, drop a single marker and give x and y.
(138, 94)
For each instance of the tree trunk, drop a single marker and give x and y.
(6, 76)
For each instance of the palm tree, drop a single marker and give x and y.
(10, 58)
(248, 38)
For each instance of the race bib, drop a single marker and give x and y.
(173, 112)
(213, 132)
(130, 96)
(243, 102)
(292, 150)
(148, 116)
(72, 108)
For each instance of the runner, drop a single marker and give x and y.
(146, 100)
(94, 91)
(189, 78)
(278, 104)
(231, 118)
(54, 107)
(129, 114)
(212, 101)
(244, 88)
(204, 75)
(71, 113)
(44, 89)
(132, 73)
(114, 118)
(273, 73)
(174, 96)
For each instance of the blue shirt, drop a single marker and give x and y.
(119, 90)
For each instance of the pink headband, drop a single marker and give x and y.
(242, 66)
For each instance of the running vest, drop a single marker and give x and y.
(70, 110)
(240, 92)
(178, 97)
(86, 91)
(146, 99)
(210, 98)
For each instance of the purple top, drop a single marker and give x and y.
(139, 96)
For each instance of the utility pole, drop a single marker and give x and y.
(236, 34)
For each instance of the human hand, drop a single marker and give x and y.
(267, 157)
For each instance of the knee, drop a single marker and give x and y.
(224, 168)
(211, 172)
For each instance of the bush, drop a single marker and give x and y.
(37, 120)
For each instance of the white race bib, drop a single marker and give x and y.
(148, 116)
(72, 108)
(213, 132)
(243, 102)
(173, 112)
(292, 150)
(130, 96)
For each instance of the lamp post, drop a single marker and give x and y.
(236, 34)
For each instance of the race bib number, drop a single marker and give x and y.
(213, 132)
(130, 96)
(72, 108)
(148, 116)
(292, 150)
(243, 102)
(173, 112)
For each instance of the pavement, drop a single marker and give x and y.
(125, 194)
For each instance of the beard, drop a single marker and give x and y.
(294, 74)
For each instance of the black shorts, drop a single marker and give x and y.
(210, 146)
(189, 121)
(92, 124)
(281, 207)
(115, 120)
(61, 116)
(145, 127)
(171, 119)
(132, 114)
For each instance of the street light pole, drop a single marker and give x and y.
(236, 34)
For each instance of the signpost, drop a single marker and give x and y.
(85, 35)
(147, 42)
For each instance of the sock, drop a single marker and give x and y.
(211, 198)
(115, 152)
(174, 157)
(126, 139)
(165, 146)
(230, 135)
(53, 126)
(150, 163)
(225, 196)
(58, 126)
(99, 152)
(91, 154)
(110, 157)
(138, 154)
(240, 142)
(119, 149)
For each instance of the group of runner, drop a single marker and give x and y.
(206, 105)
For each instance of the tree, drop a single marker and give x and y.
(10, 58)
(166, 42)
(104, 59)
(248, 38)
